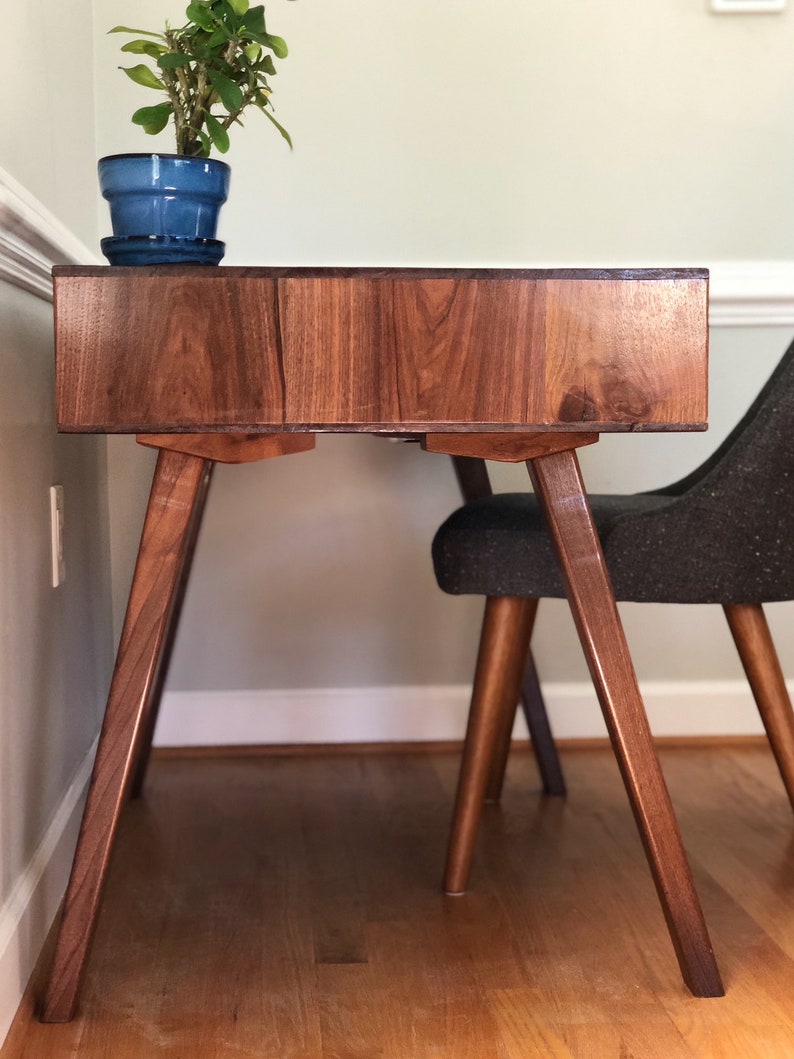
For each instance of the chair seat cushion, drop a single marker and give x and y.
(657, 550)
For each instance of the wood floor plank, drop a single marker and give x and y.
(290, 908)
(523, 1033)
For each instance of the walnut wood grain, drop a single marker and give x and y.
(560, 490)
(176, 487)
(506, 448)
(756, 649)
(231, 448)
(154, 698)
(144, 353)
(193, 350)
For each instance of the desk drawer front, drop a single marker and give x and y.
(143, 350)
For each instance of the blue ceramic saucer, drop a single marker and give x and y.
(162, 250)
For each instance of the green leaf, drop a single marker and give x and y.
(172, 59)
(153, 119)
(239, 6)
(201, 16)
(280, 127)
(144, 32)
(266, 65)
(142, 75)
(255, 22)
(219, 37)
(144, 47)
(258, 33)
(218, 134)
(230, 94)
(277, 45)
(206, 143)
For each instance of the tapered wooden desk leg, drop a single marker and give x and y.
(505, 634)
(166, 531)
(525, 622)
(152, 709)
(560, 490)
(474, 483)
(756, 649)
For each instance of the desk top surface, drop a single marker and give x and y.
(189, 348)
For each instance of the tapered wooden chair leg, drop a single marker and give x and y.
(474, 483)
(176, 486)
(559, 488)
(505, 633)
(152, 709)
(525, 621)
(542, 740)
(756, 649)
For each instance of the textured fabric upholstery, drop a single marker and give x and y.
(723, 534)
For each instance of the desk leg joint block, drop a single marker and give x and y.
(230, 448)
(507, 447)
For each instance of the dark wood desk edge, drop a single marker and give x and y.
(407, 431)
(350, 272)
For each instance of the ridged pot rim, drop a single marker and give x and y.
(192, 159)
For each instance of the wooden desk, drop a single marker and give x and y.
(239, 364)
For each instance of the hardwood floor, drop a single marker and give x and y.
(290, 908)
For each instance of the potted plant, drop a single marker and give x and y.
(164, 207)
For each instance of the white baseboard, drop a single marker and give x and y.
(28, 913)
(406, 714)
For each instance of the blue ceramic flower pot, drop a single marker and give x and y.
(163, 208)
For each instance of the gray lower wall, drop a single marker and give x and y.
(55, 643)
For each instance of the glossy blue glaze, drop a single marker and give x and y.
(162, 250)
(164, 195)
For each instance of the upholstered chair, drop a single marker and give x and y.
(722, 535)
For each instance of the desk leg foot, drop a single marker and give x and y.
(560, 490)
(166, 533)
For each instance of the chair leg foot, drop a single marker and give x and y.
(505, 635)
(756, 649)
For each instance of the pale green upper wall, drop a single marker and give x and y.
(47, 113)
(507, 132)
(450, 132)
